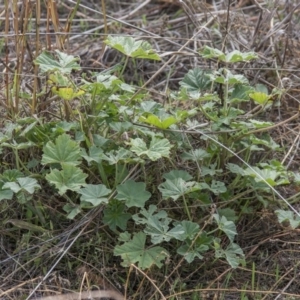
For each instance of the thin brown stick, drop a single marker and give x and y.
(86, 295)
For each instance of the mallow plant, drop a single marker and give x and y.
(141, 160)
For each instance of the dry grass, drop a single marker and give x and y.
(176, 29)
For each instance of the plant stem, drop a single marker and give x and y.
(187, 208)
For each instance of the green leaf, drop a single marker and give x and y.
(175, 174)
(159, 231)
(157, 225)
(208, 52)
(196, 80)
(69, 178)
(190, 229)
(18, 146)
(114, 215)
(261, 124)
(115, 156)
(218, 187)
(296, 177)
(150, 107)
(228, 213)
(226, 77)
(159, 123)
(228, 227)
(263, 175)
(4, 137)
(104, 84)
(72, 210)
(99, 141)
(208, 98)
(232, 57)
(130, 47)
(195, 155)
(94, 193)
(5, 194)
(121, 127)
(261, 88)
(23, 183)
(210, 170)
(158, 148)
(218, 77)
(260, 98)
(233, 253)
(288, 216)
(11, 175)
(124, 237)
(95, 154)
(64, 151)
(59, 79)
(67, 93)
(190, 252)
(240, 93)
(133, 193)
(192, 249)
(135, 251)
(233, 79)
(233, 168)
(237, 56)
(65, 64)
(266, 140)
(176, 188)
(161, 214)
